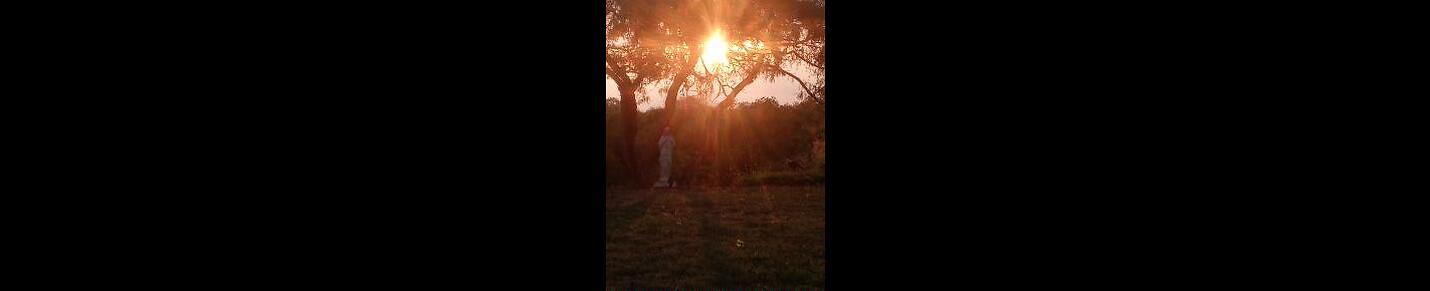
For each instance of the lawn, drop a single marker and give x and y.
(737, 238)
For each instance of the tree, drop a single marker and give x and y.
(800, 41)
(660, 42)
(768, 36)
(635, 57)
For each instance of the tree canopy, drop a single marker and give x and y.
(661, 42)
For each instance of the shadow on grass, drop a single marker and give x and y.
(712, 238)
(732, 238)
(622, 216)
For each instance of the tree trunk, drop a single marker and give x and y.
(628, 135)
(735, 92)
(672, 94)
(717, 131)
(712, 147)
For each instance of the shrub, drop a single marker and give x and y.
(781, 178)
(752, 136)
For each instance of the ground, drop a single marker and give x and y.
(746, 238)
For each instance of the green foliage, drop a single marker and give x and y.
(753, 137)
(781, 178)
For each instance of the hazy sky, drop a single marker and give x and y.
(785, 90)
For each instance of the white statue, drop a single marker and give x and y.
(667, 154)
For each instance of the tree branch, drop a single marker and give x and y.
(801, 84)
(801, 57)
(730, 99)
(681, 74)
(617, 73)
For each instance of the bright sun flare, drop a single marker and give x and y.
(715, 49)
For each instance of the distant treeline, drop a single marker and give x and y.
(759, 142)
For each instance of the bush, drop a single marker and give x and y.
(781, 178)
(713, 148)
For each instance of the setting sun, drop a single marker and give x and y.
(715, 49)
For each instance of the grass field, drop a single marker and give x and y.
(740, 238)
